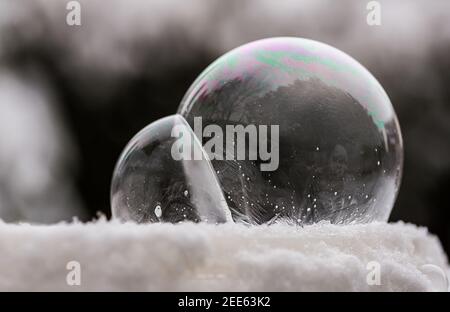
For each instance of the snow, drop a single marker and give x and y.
(202, 257)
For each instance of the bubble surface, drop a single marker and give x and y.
(339, 145)
(150, 184)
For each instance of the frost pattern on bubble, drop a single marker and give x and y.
(150, 185)
(340, 146)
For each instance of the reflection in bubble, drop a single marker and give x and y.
(340, 145)
(149, 185)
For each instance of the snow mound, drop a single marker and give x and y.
(201, 257)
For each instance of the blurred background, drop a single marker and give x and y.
(72, 96)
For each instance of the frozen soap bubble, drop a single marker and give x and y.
(328, 144)
(153, 183)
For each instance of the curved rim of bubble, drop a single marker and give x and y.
(126, 148)
(179, 119)
(182, 108)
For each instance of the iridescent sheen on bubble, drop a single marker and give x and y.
(340, 142)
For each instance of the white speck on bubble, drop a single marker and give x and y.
(158, 211)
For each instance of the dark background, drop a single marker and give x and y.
(72, 96)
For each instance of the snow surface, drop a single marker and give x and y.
(202, 257)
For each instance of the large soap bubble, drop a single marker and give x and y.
(328, 144)
(155, 182)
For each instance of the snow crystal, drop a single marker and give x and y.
(154, 257)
